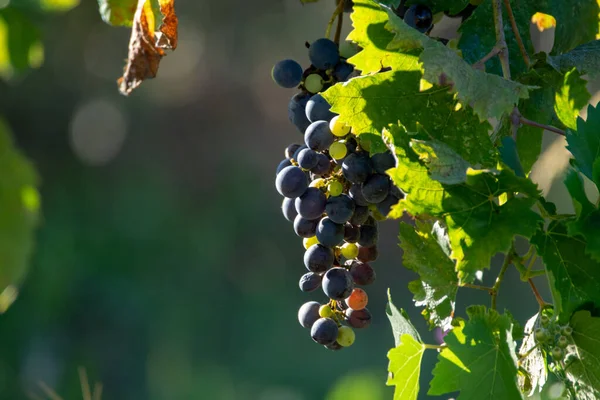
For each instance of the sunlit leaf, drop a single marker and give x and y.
(400, 322)
(583, 361)
(405, 367)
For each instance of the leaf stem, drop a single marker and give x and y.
(537, 272)
(500, 278)
(536, 293)
(501, 39)
(435, 346)
(550, 128)
(340, 22)
(478, 287)
(515, 29)
(480, 64)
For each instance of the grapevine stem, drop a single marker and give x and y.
(522, 357)
(479, 64)
(550, 128)
(515, 29)
(338, 10)
(435, 346)
(340, 21)
(537, 295)
(501, 39)
(500, 278)
(478, 287)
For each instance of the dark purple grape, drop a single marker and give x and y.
(308, 314)
(335, 346)
(368, 235)
(329, 233)
(376, 188)
(318, 258)
(289, 209)
(297, 111)
(291, 149)
(309, 282)
(358, 318)
(318, 109)
(362, 273)
(386, 205)
(356, 167)
(323, 165)
(307, 158)
(419, 16)
(318, 136)
(324, 331)
(382, 162)
(305, 228)
(361, 213)
(282, 165)
(355, 192)
(340, 208)
(367, 254)
(342, 71)
(323, 54)
(351, 233)
(287, 73)
(337, 283)
(291, 182)
(311, 204)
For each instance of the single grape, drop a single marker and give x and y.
(340, 209)
(382, 162)
(338, 150)
(563, 342)
(345, 336)
(318, 183)
(334, 346)
(318, 258)
(307, 242)
(351, 233)
(540, 334)
(318, 109)
(368, 234)
(323, 54)
(351, 144)
(291, 182)
(558, 353)
(308, 314)
(349, 250)
(307, 159)
(311, 204)
(361, 213)
(348, 49)
(297, 152)
(309, 282)
(289, 209)
(318, 136)
(419, 17)
(362, 273)
(291, 149)
(386, 205)
(356, 167)
(367, 254)
(329, 233)
(358, 299)
(342, 71)
(335, 188)
(376, 188)
(323, 165)
(325, 311)
(324, 331)
(358, 318)
(337, 127)
(544, 320)
(297, 111)
(355, 193)
(567, 331)
(337, 283)
(305, 228)
(287, 73)
(282, 165)
(313, 83)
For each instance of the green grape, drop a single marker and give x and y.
(349, 250)
(313, 83)
(338, 150)
(337, 127)
(335, 188)
(544, 320)
(563, 342)
(345, 336)
(348, 49)
(307, 242)
(557, 353)
(318, 183)
(567, 331)
(325, 311)
(540, 334)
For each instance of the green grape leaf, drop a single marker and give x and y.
(20, 43)
(583, 361)
(584, 144)
(437, 284)
(535, 362)
(452, 6)
(479, 226)
(444, 165)
(570, 98)
(577, 24)
(480, 359)
(588, 216)
(369, 20)
(489, 95)
(400, 322)
(405, 367)
(573, 276)
(585, 58)
(19, 213)
(371, 103)
(118, 12)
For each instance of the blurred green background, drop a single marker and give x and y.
(162, 263)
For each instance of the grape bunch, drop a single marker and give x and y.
(334, 194)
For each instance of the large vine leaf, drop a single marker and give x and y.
(437, 284)
(480, 359)
(400, 322)
(535, 362)
(404, 368)
(147, 46)
(479, 226)
(585, 58)
(371, 103)
(489, 95)
(584, 144)
(577, 24)
(587, 223)
(19, 212)
(583, 362)
(574, 277)
(118, 12)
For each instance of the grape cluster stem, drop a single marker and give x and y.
(501, 39)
